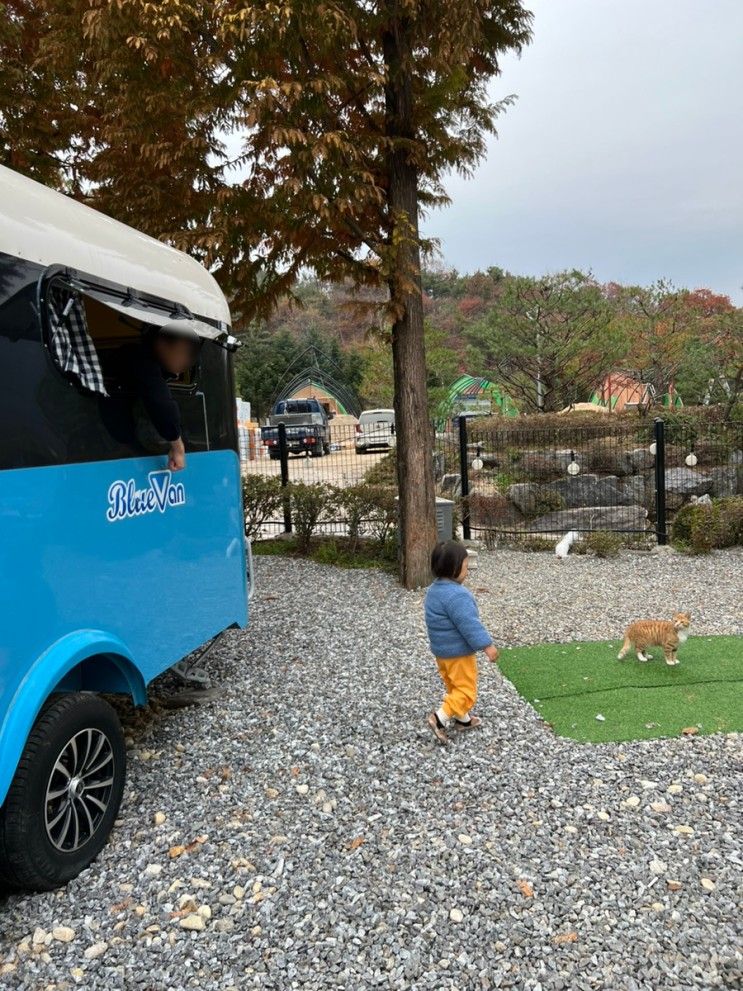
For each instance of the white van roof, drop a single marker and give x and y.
(374, 412)
(41, 225)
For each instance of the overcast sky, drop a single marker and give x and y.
(623, 153)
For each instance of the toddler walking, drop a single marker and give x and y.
(456, 635)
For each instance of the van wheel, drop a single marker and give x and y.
(317, 452)
(65, 794)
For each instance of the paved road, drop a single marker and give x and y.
(342, 468)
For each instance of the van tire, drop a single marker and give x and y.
(35, 853)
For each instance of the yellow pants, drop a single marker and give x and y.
(459, 675)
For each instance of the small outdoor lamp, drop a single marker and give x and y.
(653, 448)
(691, 458)
(477, 461)
(573, 467)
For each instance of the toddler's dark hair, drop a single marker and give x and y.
(447, 559)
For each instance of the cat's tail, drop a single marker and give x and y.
(625, 649)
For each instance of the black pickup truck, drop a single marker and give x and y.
(307, 425)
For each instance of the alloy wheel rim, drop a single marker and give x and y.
(79, 789)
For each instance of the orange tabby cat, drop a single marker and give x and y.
(663, 633)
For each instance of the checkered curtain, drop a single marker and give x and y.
(70, 343)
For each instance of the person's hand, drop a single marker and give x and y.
(491, 653)
(177, 455)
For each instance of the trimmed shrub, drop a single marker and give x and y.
(539, 467)
(490, 510)
(262, 499)
(311, 505)
(384, 472)
(535, 544)
(700, 527)
(602, 543)
(606, 457)
(368, 509)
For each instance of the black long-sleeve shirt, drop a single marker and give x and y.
(144, 375)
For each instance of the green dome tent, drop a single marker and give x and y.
(468, 394)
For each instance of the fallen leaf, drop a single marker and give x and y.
(356, 843)
(176, 851)
(120, 906)
(525, 888)
(563, 938)
(295, 772)
(690, 731)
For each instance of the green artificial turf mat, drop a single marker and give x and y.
(570, 684)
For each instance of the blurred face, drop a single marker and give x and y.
(465, 569)
(175, 354)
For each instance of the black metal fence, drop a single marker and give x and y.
(347, 461)
(628, 477)
(510, 481)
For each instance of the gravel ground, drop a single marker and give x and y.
(307, 829)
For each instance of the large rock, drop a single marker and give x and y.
(532, 499)
(641, 459)
(622, 518)
(635, 492)
(687, 482)
(724, 481)
(451, 486)
(590, 490)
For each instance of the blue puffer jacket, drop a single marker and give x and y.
(453, 621)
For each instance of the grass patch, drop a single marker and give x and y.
(570, 684)
(341, 552)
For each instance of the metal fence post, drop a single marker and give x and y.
(465, 477)
(660, 480)
(284, 456)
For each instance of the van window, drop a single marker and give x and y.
(89, 342)
(298, 406)
(380, 416)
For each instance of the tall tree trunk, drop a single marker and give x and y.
(413, 431)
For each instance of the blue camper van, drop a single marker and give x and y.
(113, 564)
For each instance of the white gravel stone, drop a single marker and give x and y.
(95, 951)
(330, 686)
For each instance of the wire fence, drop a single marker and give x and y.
(627, 477)
(509, 481)
(350, 459)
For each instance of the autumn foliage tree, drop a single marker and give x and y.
(351, 112)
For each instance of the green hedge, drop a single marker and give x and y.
(700, 527)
